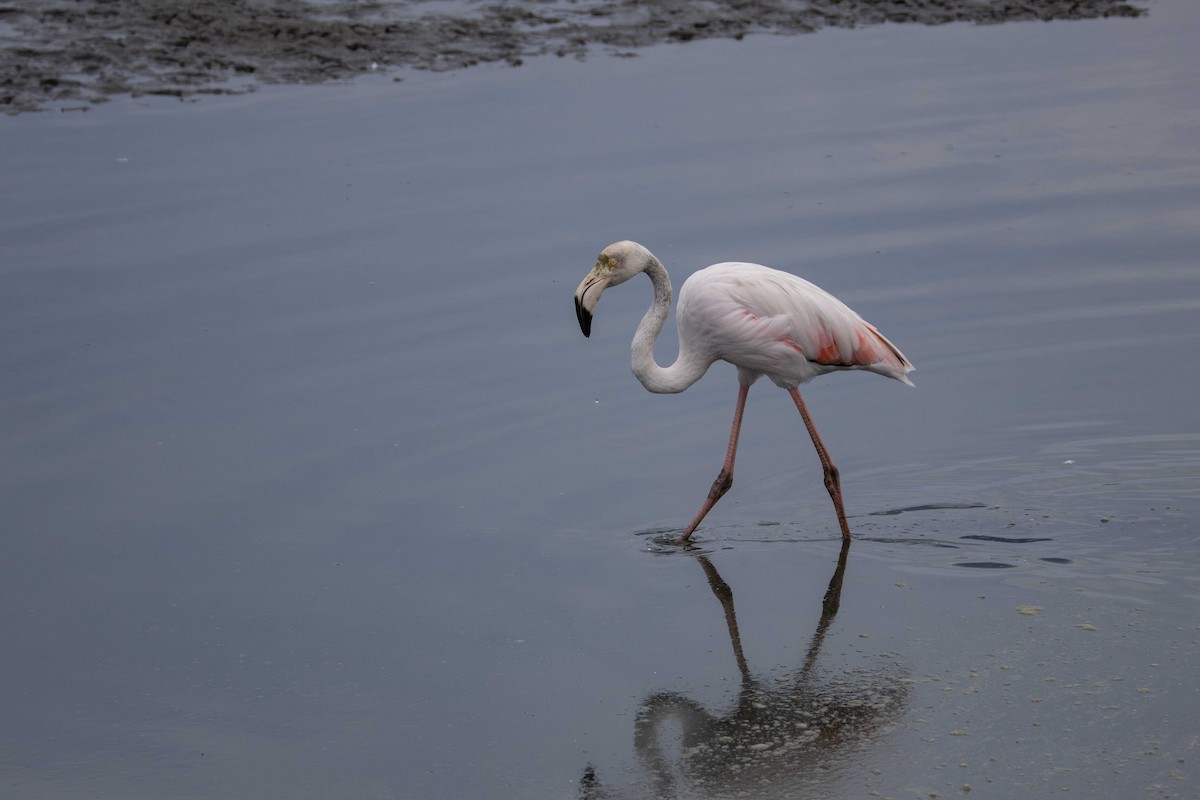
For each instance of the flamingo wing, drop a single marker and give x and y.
(780, 325)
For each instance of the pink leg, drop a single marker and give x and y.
(725, 478)
(832, 482)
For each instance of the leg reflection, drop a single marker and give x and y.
(779, 730)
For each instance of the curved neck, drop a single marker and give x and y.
(687, 368)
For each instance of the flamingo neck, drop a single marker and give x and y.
(688, 368)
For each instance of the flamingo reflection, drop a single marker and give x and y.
(782, 735)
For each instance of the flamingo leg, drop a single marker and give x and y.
(725, 478)
(832, 481)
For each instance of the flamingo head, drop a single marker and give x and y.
(616, 264)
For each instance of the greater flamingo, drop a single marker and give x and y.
(761, 320)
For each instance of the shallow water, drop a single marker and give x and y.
(312, 488)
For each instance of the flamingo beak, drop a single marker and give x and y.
(585, 300)
(584, 316)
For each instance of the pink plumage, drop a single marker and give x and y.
(776, 324)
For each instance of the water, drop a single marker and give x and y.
(312, 488)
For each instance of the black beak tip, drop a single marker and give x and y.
(585, 318)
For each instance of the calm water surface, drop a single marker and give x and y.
(311, 487)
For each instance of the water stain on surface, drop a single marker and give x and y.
(982, 537)
(925, 507)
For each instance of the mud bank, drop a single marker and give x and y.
(74, 54)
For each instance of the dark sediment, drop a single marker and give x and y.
(73, 53)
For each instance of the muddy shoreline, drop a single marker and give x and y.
(73, 54)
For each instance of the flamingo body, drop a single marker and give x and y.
(768, 322)
(761, 320)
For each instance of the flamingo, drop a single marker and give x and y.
(761, 320)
